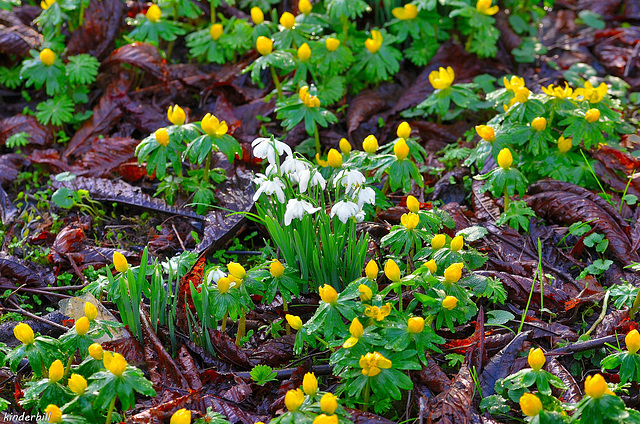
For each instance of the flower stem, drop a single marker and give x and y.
(323, 342)
(213, 11)
(285, 308)
(367, 390)
(111, 407)
(506, 199)
(223, 327)
(399, 293)
(241, 327)
(316, 135)
(68, 367)
(276, 81)
(207, 165)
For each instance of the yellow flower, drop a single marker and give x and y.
(181, 416)
(45, 4)
(56, 371)
(530, 405)
(304, 52)
(591, 93)
(513, 84)
(372, 363)
(53, 414)
(326, 419)
(328, 294)
(345, 146)
(356, 330)
(592, 115)
(371, 270)
(162, 137)
(308, 99)
(264, 45)
(401, 149)
(415, 325)
(449, 302)
(332, 44)
(90, 311)
(505, 159)
(558, 92)
(453, 273)
(378, 313)
(212, 126)
(323, 163)
(632, 340)
(457, 243)
(521, 96)
(257, 16)
(176, 115)
(539, 123)
(276, 268)
(329, 403)
(24, 333)
(484, 7)
(408, 12)
(294, 321)
(392, 271)
(564, 144)
(334, 158)
(596, 387)
(365, 292)
(77, 384)
(305, 6)
(287, 20)
(438, 241)
(413, 204)
(374, 43)
(404, 130)
(236, 270)
(409, 220)
(216, 31)
(293, 399)
(442, 78)
(223, 285)
(310, 384)
(47, 57)
(96, 352)
(370, 144)
(486, 133)
(536, 359)
(114, 363)
(432, 266)
(82, 326)
(154, 13)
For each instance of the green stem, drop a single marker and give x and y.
(223, 327)
(506, 199)
(316, 135)
(634, 308)
(111, 407)
(399, 293)
(323, 342)
(169, 50)
(276, 81)
(213, 11)
(367, 391)
(345, 28)
(207, 166)
(68, 367)
(241, 327)
(603, 313)
(285, 307)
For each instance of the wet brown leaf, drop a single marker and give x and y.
(499, 366)
(143, 56)
(452, 406)
(15, 37)
(105, 156)
(102, 22)
(39, 135)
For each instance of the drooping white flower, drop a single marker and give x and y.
(296, 209)
(366, 195)
(266, 148)
(360, 216)
(345, 210)
(349, 179)
(292, 167)
(310, 178)
(270, 187)
(214, 275)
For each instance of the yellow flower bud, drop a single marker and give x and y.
(438, 241)
(176, 115)
(287, 20)
(294, 321)
(392, 271)
(408, 12)
(632, 340)
(595, 386)
(592, 115)
(365, 292)
(90, 311)
(442, 78)
(404, 130)
(409, 220)
(257, 16)
(370, 144)
(120, 262)
(564, 144)
(310, 384)
(24, 333)
(56, 371)
(505, 159)
(154, 13)
(401, 149)
(536, 359)
(115, 363)
(264, 45)
(162, 137)
(326, 419)
(530, 405)
(77, 384)
(53, 414)
(334, 158)
(484, 7)
(486, 133)
(45, 4)
(236, 270)
(304, 52)
(539, 124)
(371, 270)
(374, 43)
(223, 285)
(47, 57)
(413, 204)
(82, 326)
(329, 403)
(415, 325)
(457, 243)
(305, 6)
(181, 416)
(293, 399)
(431, 266)
(212, 126)
(276, 268)
(449, 302)
(332, 44)
(453, 273)
(345, 146)
(328, 294)
(96, 352)
(216, 31)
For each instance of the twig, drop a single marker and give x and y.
(603, 313)
(34, 317)
(184, 249)
(581, 347)
(76, 269)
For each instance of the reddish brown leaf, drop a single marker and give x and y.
(15, 37)
(226, 349)
(452, 406)
(106, 154)
(39, 135)
(141, 55)
(102, 22)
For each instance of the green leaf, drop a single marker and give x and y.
(82, 69)
(56, 111)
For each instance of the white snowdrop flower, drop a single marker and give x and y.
(266, 148)
(292, 167)
(269, 187)
(310, 178)
(350, 179)
(360, 216)
(366, 195)
(296, 209)
(345, 210)
(214, 275)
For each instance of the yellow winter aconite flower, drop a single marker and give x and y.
(47, 57)
(539, 123)
(438, 241)
(404, 130)
(236, 270)
(304, 52)
(120, 262)
(442, 78)
(514, 83)
(536, 359)
(287, 20)
(176, 115)
(356, 330)
(345, 146)
(591, 93)
(592, 115)
(365, 292)
(56, 371)
(181, 416)
(212, 125)
(310, 101)
(294, 321)
(329, 403)
(432, 266)
(90, 311)
(24, 333)
(53, 414)
(223, 285)
(521, 96)
(453, 273)
(334, 158)
(558, 92)
(332, 44)
(632, 340)
(370, 144)
(374, 43)
(257, 16)
(216, 31)
(323, 163)
(409, 220)
(305, 6)
(413, 204)
(415, 325)
(564, 144)
(378, 313)
(276, 268)
(162, 136)
(82, 326)
(450, 302)
(154, 13)
(264, 45)
(77, 384)
(596, 387)
(457, 243)
(530, 405)
(408, 12)
(505, 159)
(371, 270)
(484, 7)
(96, 352)
(373, 363)
(114, 363)
(392, 271)
(401, 149)
(326, 419)
(293, 399)
(486, 133)
(328, 294)
(45, 4)
(310, 384)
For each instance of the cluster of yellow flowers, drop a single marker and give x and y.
(236, 276)
(587, 93)
(294, 399)
(517, 86)
(311, 101)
